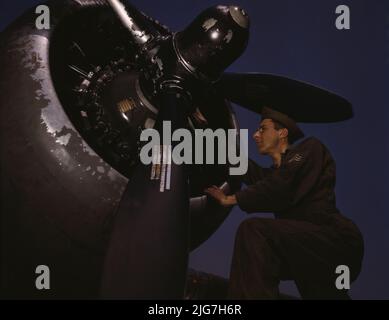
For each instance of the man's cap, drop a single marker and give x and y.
(295, 133)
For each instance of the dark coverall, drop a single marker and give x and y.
(308, 238)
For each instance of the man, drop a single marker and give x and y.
(309, 238)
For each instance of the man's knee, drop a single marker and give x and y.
(251, 230)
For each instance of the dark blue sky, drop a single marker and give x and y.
(298, 39)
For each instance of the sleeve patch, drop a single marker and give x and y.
(298, 157)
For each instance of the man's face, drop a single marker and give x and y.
(267, 137)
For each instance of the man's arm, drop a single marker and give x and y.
(281, 189)
(254, 174)
(289, 184)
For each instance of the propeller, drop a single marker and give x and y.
(147, 257)
(301, 101)
(148, 253)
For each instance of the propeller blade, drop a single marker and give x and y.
(140, 27)
(301, 101)
(147, 257)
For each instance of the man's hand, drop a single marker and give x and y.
(220, 197)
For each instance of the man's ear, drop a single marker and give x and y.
(284, 133)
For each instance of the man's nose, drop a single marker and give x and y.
(256, 134)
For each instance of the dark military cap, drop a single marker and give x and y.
(295, 132)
